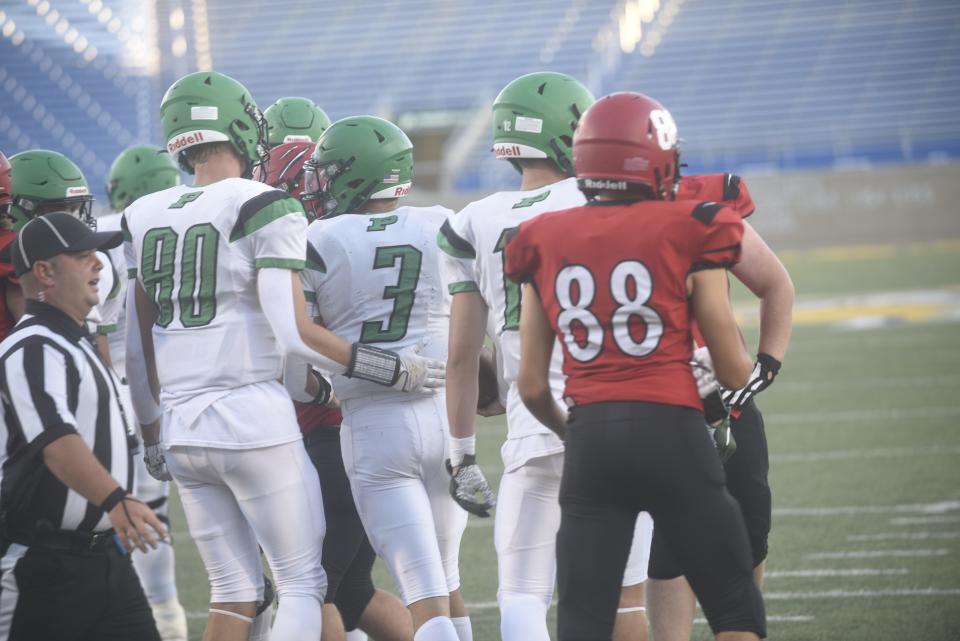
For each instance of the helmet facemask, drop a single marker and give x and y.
(317, 197)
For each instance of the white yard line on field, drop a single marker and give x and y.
(924, 520)
(926, 382)
(876, 554)
(939, 507)
(774, 618)
(818, 574)
(905, 536)
(891, 414)
(855, 594)
(875, 453)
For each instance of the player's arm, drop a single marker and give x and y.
(764, 275)
(468, 322)
(536, 348)
(711, 308)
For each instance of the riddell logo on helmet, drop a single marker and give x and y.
(184, 141)
(402, 190)
(507, 151)
(77, 191)
(614, 185)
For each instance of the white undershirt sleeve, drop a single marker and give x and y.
(275, 290)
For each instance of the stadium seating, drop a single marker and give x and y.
(759, 84)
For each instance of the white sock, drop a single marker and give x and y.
(260, 628)
(156, 571)
(356, 635)
(523, 617)
(298, 618)
(436, 629)
(462, 625)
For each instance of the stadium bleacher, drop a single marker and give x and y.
(758, 84)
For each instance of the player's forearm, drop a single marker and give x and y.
(536, 350)
(711, 307)
(776, 319)
(142, 390)
(462, 392)
(72, 462)
(468, 314)
(761, 271)
(281, 299)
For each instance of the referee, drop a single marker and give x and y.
(67, 519)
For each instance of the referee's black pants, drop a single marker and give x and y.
(622, 458)
(58, 595)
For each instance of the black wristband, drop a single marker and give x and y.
(113, 499)
(769, 363)
(322, 396)
(714, 409)
(373, 364)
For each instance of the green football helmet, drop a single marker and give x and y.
(207, 106)
(46, 181)
(357, 159)
(535, 116)
(138, 171)
(294, 120)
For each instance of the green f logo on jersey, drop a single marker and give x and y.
(185, 199)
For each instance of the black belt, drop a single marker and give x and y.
(66, 540)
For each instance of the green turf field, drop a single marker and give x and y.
(865, 462)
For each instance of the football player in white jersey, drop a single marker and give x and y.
(373, 271)
(136, 172)
(533, 122)
(218, 302)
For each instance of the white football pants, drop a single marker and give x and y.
(235, 499)
(394, 452)
(525, 531)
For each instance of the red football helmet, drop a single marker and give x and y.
(6, 185)
(625, 141)
(284, 169)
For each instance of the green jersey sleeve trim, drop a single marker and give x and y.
(463, 287)
(315, 261)
(310, 297)
(124, 230)
(103, 330)
(452, 244)
(294, 264)
(263, 209)
(115, 290)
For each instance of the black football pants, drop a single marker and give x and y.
(622, 458)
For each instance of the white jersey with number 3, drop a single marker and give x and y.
(473, 244)
(196, 251)
(374, 279)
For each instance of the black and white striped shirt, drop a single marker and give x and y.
(53, 383)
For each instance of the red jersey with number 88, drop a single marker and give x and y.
(612, 280)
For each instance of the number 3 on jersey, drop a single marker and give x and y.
(403, 293)
(582, 331)
(198, 273)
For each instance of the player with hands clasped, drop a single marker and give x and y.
(620, 294)
(534, 118)
(218, 302)
(373, 276)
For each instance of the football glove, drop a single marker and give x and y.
(723, 439)
(469, 488)
(761, 378)
(717, 416)
(404, 372)
(702, 366)
(156, 463)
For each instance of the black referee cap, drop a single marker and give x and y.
(47, 236)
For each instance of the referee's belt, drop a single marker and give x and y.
(65, 540)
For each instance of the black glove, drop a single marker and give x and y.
(469, 488)
(761, 378)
